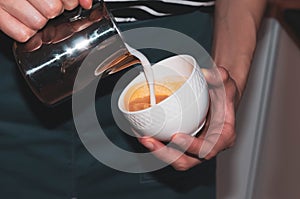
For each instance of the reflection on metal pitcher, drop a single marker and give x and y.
(49, 61)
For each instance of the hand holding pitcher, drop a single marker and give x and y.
(21, 19)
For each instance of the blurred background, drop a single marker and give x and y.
(265, 162)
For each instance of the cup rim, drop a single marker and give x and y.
(183, 56)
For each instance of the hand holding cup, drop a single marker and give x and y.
(182, 93)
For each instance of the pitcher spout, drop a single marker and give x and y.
(122, 62)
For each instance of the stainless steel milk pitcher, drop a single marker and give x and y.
(49, 61)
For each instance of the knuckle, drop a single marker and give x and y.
(224, 73)
(212, 154)
(22, 38)
(232, 137)
(71, 5)
(53, 10)
(181, 166)
(25, 35)
(39, 23)
(232, 141)
(229, 133)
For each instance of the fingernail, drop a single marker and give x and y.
(149, 145)
(179, 141)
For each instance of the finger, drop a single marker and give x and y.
(159, 150)
(86, 4)
(25, 13)
(204, 129)
(49, 9)
(210, 147)
(14, 28)
(172, 156)
(70, 4)
(188, 143)
(220, 133)
(207, 147)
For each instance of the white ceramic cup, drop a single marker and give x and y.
(184, 111)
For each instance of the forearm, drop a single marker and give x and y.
(236, 26)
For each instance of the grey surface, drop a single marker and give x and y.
(277, 173)
(242, 172)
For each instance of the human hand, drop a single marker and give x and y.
(21, 19)
(218, 133)
(55, 33)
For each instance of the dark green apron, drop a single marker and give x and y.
(42, 157)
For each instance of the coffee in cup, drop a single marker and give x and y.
(139, 98)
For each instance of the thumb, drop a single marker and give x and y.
(215, 76)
